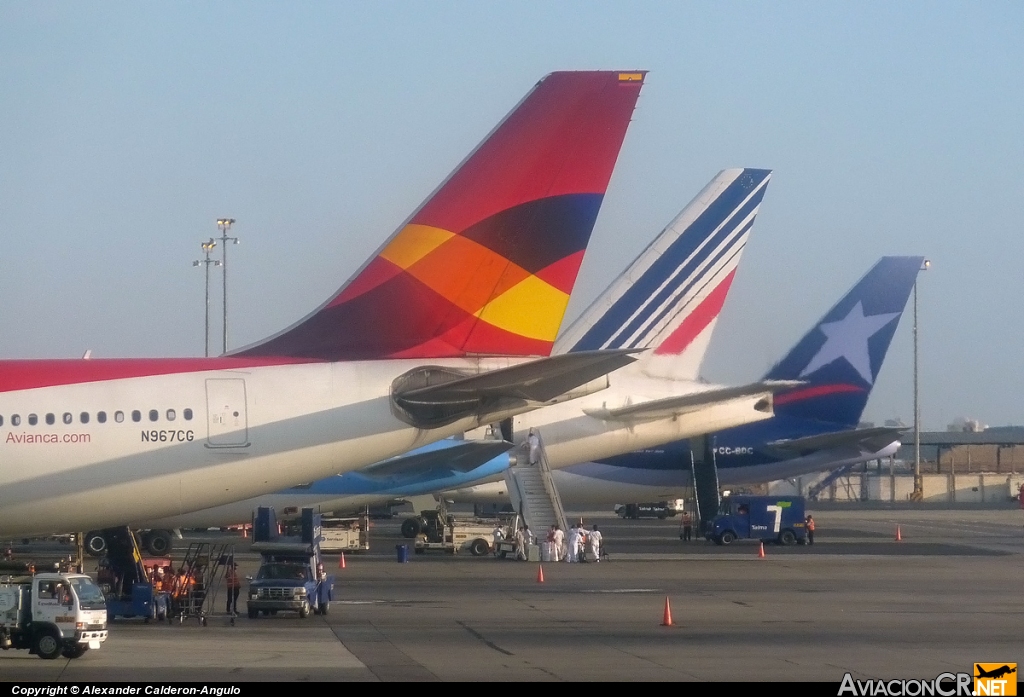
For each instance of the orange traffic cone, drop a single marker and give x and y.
(341, 562)
(666, 620)
(540, 574)
(899, 537)
(760, 554)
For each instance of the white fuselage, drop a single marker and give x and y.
(595, 483)
(252, 431)
(570, 436)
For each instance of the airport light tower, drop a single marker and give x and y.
(224, 224)
(918, 484)
(206, 261)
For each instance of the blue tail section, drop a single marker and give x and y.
(840, 358)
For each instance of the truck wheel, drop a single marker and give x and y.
(479, 548)
(787, 538)
(411, 528)
(76, 651)
(47, 644)
(727, 537)
(158, 542)
(95, 544)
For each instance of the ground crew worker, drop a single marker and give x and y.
(573, 552)
(557, 539)
(594, 543)
(234, 586)
(499, 535)
(159, 594)
(810, 530)
(520, 545)
(687, 526)
(533, 440)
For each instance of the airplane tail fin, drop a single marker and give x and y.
(486, 264)
(670, 296)
(840, 357)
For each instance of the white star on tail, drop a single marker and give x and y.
(848, 338)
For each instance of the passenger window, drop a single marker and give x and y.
(15, 420)
(188, 414)
(33, 419)
(136, 416)
(154, 415)
(170, 415)
(67, 418)
(118, 416)
(84, 417)
(101, 416)
(50, 419)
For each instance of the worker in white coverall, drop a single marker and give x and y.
(594, 543)
(499, 535)
(533, 442)
(573, 553)
(558, 539)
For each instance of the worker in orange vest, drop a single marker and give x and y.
(810, 530)
(234, 587)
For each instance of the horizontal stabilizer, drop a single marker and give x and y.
(463, 457)
(867, 439)
(694, 401)
(432, 396)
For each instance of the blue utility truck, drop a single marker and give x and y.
(766, 518)
(291, 576)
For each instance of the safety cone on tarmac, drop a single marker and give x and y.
(540, 574)
(666, 619)
(341, 562)
(760, 554)
(899, 537)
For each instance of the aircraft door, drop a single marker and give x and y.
(226, 415)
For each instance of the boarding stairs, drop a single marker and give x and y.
(533, 492)
(814, 491)
(205, 566)
(704, 470)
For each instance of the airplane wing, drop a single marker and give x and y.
(869, 439)
(432, 396)
(684, 404)
(463, 457)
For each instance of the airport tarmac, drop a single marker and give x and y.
(858, 601)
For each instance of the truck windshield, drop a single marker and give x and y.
(90, 597)
(292, 572)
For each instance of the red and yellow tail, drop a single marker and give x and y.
(487, 263)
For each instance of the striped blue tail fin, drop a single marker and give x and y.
(670, 296)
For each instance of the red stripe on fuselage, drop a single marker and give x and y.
(816, 391)
(698, 320)
(27, 375)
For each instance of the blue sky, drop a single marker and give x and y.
(127, 128)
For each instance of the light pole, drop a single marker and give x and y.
(224, 224)
(207, 261)
(918, 487)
